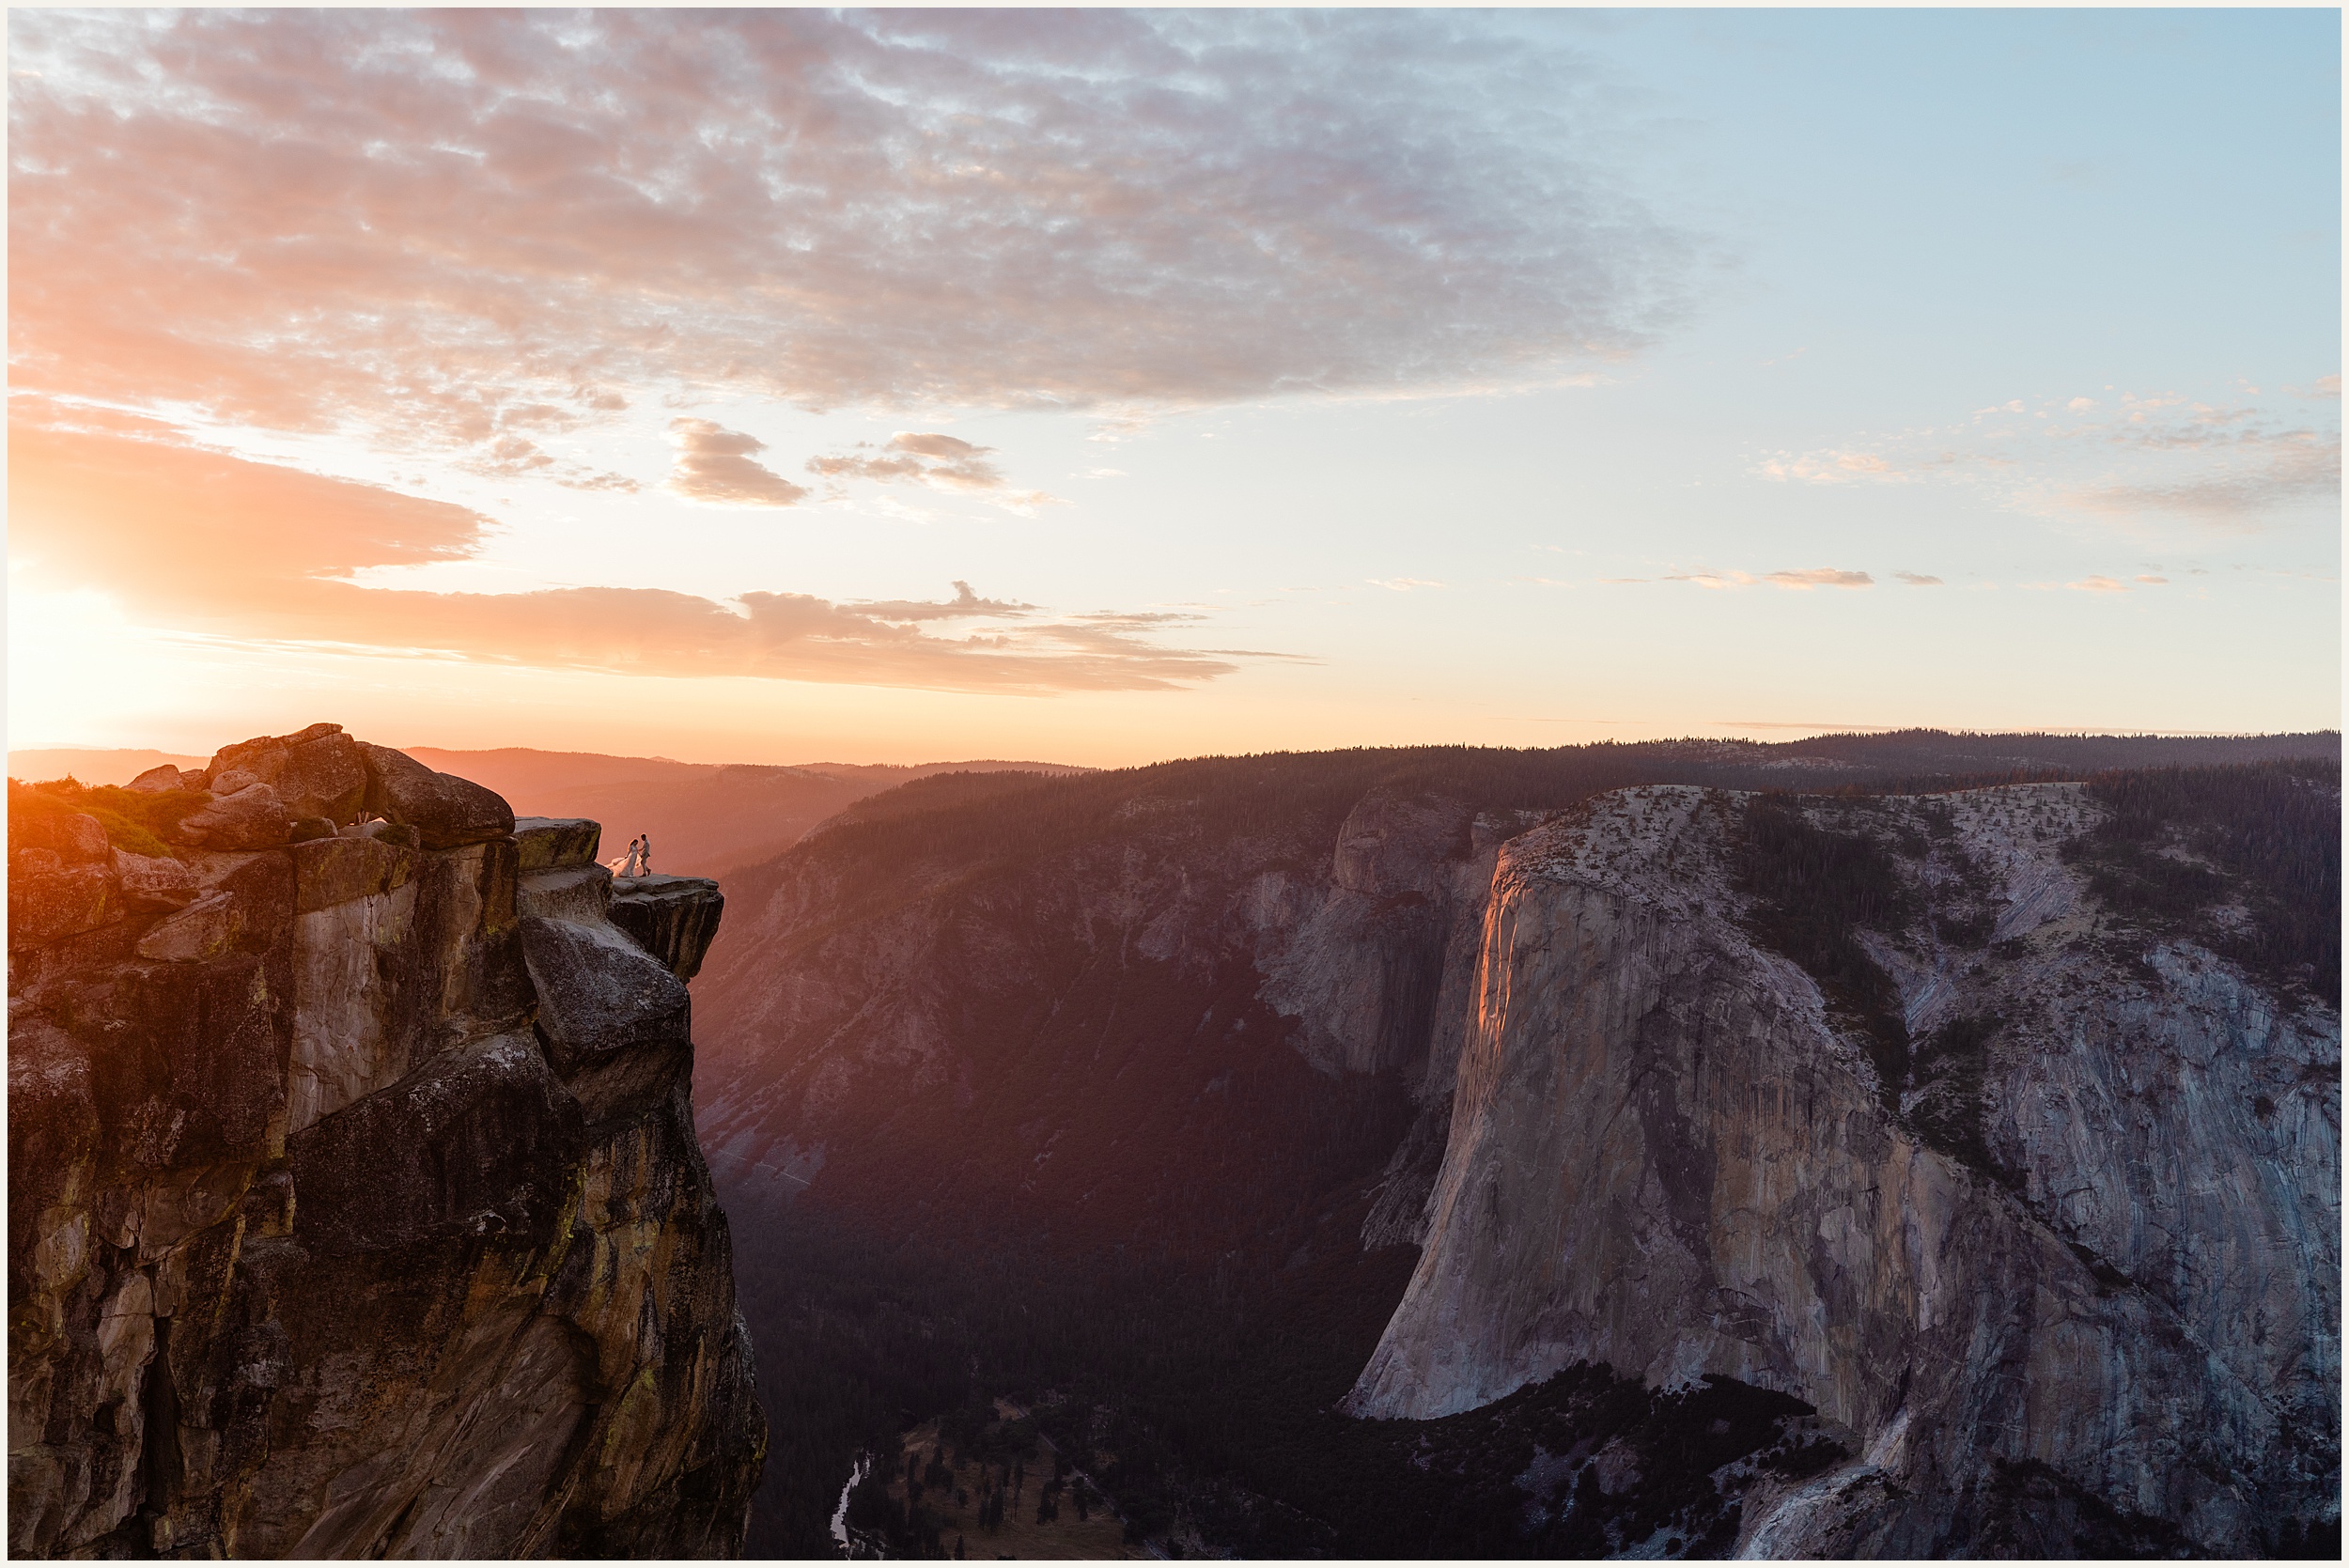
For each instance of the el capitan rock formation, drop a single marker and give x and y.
(2115, 1255)
(355, 1205)
(2003, 1139)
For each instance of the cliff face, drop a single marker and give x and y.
(355, 1204)
(1173, 1036)
(2029, 1195)
(2084, 1236)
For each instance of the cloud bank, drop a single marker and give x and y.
(473, 228)
(260, 554)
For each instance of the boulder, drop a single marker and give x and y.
(74, 837)
(199, 933)
(156, 882)
(324, 776)
(576, 892)
(264, 889)
(332, 871)
(252, 818)
(49, 899)
(673, 918)
(261, 757)
(319, 771)
(382, 832)
(464, 1147)
(447, 812)
(548, 842)
(163, 780)
(614, 1018)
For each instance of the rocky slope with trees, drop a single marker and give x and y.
(1941, 1116)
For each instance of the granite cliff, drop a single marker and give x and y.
(355, 1207)
(2060, 1202)
(1964, 1164)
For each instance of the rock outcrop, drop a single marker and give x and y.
(2090, 1240)
(673, 917)
(355, 1207)
(2036, 1228)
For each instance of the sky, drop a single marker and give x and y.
(1104, 386)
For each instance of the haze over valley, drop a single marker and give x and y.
(972, 784)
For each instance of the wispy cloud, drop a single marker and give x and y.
(475, 229)
(1403, 584)
(2099, 584)
(2253, 474)
(955, 465)
(714, 465)
(943, 462)
(1803, 581)
(1829, 468)
(2120, 454)
(1919, 580)
(964, 605)
(1821, 577)
(261, 554)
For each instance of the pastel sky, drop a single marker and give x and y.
(1108, 386)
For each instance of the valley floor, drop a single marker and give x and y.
(949, 1516)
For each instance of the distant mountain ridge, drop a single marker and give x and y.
(705, 818)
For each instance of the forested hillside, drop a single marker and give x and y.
(1117, 1093)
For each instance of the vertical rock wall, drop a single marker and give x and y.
(1667, 1154)
(355, 1205)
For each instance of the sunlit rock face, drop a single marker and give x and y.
(2086, 1236)
(341, 1224)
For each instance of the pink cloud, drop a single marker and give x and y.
(1820, 576)
(205, 542)
(957, 464)
(714, 465)
(477, 228)
(1816, 577)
